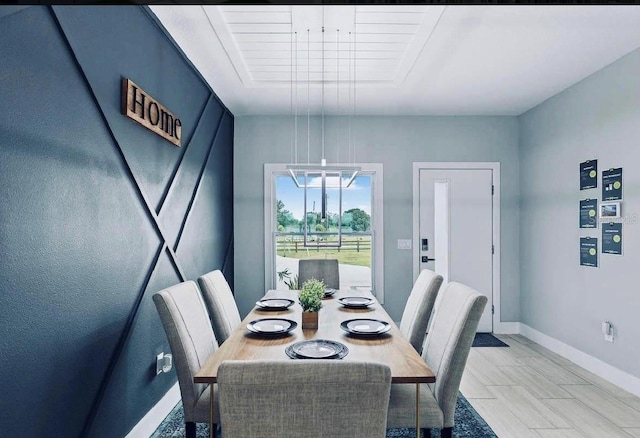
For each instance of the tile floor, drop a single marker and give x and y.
(527, 391)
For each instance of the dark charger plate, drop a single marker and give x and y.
(317, 349)
(274, 303)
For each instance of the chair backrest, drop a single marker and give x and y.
(220, 304)
(417, 311)
(320, 269)
(304, 398)
(190, 336)
(449, 340)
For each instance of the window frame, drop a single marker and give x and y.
(272, 170)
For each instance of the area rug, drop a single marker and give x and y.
(487, 340)
(469, 424)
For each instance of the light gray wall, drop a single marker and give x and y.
(396, 142)
(596, 118)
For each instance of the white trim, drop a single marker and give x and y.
(377, 221)
(495, 167)
(152, 419)
(624, 380)
(507, 328)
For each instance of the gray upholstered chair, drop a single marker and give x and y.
(303, 398)
(320, 269)
(191, 340)
(221, 305)
(417, 311)
(445, 351)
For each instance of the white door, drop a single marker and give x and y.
(456, 229)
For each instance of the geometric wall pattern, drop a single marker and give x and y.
(98, 214)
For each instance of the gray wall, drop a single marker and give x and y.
(596, 118)
(396, 142)
(86, 197)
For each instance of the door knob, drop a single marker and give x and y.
(426, 259)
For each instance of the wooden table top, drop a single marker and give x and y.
(392, 348)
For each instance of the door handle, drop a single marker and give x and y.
(426, 259)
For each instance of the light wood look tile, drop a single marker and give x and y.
(552, 371)
(486, 372)
(503, 422)
(634, 402)
(529, 410)
(584, 419)
(472, 388)
(559, 433)
(605, 404)
(527, 390)
(521, 339)
(538, 385)
(519, 349)
(498, 356)
(612, 389)
(553, 357)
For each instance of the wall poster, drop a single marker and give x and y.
(588, 213)
(589, 174)
(612, 238)
(589, 251)
(612, 184)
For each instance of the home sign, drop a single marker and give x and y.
(144, 109)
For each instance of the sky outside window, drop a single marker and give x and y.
(358, 195)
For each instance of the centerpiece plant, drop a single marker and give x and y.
(310, 298)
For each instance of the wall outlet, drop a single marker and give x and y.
(404, 243)
(159, 363)
(607, 331)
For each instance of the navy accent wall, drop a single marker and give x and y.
(97, 213)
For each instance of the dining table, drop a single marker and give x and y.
(390, 348)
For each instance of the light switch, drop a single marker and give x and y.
(404, 243)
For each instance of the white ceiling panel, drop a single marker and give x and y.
(406, 60)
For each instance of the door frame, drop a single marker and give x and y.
(377, 223)
(495, 167)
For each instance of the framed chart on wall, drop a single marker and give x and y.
(612, 184)
(589, 251)
(588, 174)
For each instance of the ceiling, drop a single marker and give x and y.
(397, 60)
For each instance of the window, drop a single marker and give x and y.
(360, 205)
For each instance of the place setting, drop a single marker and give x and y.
(356, 302)
(272, 327)
(365, 327)
(317, 349)
(329, 292)
(274, 304)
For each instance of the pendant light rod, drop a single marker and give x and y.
(308, 82)
(323, 161)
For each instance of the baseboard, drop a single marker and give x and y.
(506, 328)
(624, 380)
(150, 422)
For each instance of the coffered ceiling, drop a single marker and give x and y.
(397, 60)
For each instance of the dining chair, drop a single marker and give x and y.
(221, 305)
(191, 339)
(445, 351)
(321, 269)
(417, 311)
(303, 398)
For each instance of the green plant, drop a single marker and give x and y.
(285, 277)
(311, 295)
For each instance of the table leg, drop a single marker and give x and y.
(212, 432)
(417, 410)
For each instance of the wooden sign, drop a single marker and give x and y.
(144, 109)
